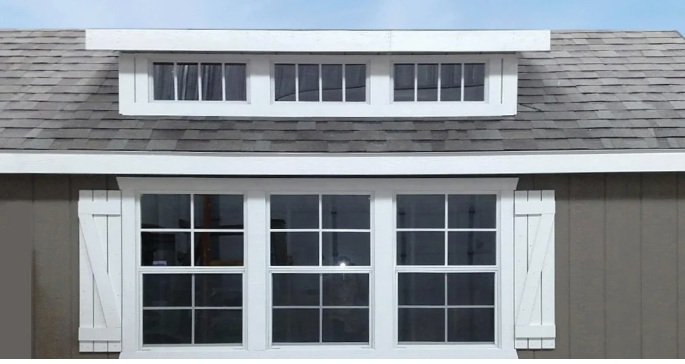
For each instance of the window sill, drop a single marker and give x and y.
(341, 353)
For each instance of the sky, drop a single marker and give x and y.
(345, 14)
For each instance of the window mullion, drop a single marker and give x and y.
(256, 251)
(383, 302)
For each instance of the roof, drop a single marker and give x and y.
(596, 90)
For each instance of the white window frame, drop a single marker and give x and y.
(501, 88)
(383, 325)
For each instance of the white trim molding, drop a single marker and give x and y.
(375, 41)
(336, 164)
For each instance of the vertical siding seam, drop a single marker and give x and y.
(70, 194)
(568, 256)
(32, 188)
(641, 205)
(604, 271)
(677, 254)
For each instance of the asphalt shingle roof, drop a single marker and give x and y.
(595, 90)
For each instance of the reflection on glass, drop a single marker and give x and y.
(421, 289)
(355, 82)
(219, 249)
(165, 211)
(421, 324)
(427, 82)
(421, 248)
(308, 82)
(350, 289)
(472, 211)
(294, 211)
(474, 82)
(163, 81)
(404, 82)
(332, 82)
(450, 82)
(187, 81)
(165, 249)
(167, 290)
(218, 326)
(284, 79)
(218, 290)
(421, 211)
(295, 325)
(167, 327)
(471, 325)
(472, 248)
(345, 325)
(346, 249)
(296, 289)
(289, 249)
(346, 211)
(236, 82)
(211, 82)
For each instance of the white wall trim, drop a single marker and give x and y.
(215, 40)
(336, 164)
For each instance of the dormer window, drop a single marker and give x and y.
(184, 81)
(312, 82)
(318, 74)
(442, 82)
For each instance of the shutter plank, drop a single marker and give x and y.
(99, 199)
(114, 258)
(86, 284)
(547, 280)
(533, 208)
(520, 256)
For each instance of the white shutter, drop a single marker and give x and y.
(534, 269)
(99, 214)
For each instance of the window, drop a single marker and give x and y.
(439, 82)
(446, 266)
(252, 266)
(192, 266)
(199, 81)
(320, 82)
(320, 265)
(319, 85)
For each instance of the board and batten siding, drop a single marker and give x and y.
(619, 250)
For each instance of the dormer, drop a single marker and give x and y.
(318, 73)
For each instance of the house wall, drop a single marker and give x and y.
(619, 250)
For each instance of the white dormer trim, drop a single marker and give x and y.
(317, 41)
(501, 82)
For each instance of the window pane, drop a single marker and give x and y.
(472, 211)
(218, 326)
(421, 324)
(308, 82)
(355, 83)
(420, 211)
(450, 82)
(296, 290)
(474, 82)
(219, 249)
(346, 249)
(167, 327)
(346, 212)
(427, 82)
(236, 82)
(163, 80)
(167, 290)
(218, 290)
(468, 289)
(187, 81)
(165, 211)
(345, 289)
(331, 82)
(471, 325)
(295, 325)
(165, 249)
(421, 289)
(472, 248)
(345, 325)
(284, 82)
(404, 82)
(294, 249)
(211, 82)
(218, 211)
(421, 248)
(294, 211)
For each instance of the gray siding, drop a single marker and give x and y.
(619, 250)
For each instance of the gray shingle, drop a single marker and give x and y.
(594, 90)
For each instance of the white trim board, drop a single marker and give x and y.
(217, 40)
(336, 164)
